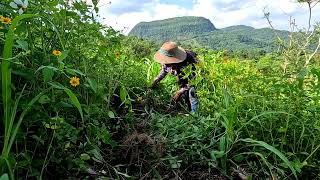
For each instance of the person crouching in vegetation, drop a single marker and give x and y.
(174, 59)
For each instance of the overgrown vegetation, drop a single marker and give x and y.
(75, 105)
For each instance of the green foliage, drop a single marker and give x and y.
(258, 114)
(247, 99)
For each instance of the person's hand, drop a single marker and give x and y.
(176, 96)
(179, 93)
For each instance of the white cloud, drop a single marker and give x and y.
(222, 13)
(125, 22)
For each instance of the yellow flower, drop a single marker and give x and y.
(74, 81)
(118, 55)
(1, 18)
(56, 52)
(6, 20)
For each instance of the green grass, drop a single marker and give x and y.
(255, 119)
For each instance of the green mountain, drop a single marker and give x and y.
(179, 28)
(199, 31)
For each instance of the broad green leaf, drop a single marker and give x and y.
(63, 56)
(24, 74)
(74, 72)
(123, 94)
(71, 95)
(93, 85)
(213, 155)
(74, 100)
(63, 105)
(56, 85)
(47, 67)
(222, 143)
(95, 2)
(84, 156)
(96, 154)
(106, 137)
(303, 73)
(4, 177)
(57, 119)
(47, 74)
(44, 99)
(111, 114)
(23, 44)
(218, 154)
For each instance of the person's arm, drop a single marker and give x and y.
(160, 76)
(180, 92)
(183, 84)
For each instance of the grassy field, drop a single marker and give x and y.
(75, 105)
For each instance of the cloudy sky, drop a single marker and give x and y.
(124, 14)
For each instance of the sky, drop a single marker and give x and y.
(123, 15)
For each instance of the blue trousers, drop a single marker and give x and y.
(190, 97)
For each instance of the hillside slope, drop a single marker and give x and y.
(198, 31)
(179, 28)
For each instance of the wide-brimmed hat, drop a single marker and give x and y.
(170, 53)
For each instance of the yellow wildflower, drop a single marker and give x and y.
(225, 61)
(6, 20)
(118, 55)
(74, 81)
(56, 52)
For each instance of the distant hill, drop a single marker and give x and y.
(199, 31)
(179, 28)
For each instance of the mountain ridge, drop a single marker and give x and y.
(200, 31)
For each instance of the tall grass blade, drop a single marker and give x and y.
(9, 127)
(24, 112)
(274, 150)
(6, 66)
